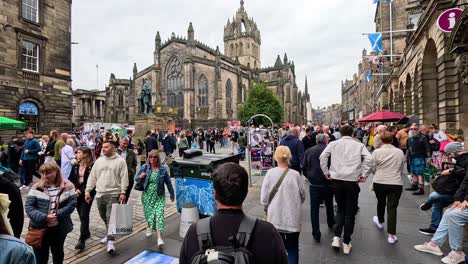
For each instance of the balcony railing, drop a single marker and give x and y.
(32, 76)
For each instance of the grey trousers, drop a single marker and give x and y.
(104, 204)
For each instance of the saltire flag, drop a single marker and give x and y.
(376, 41)
(376, 1)
(374, 60)
(388, 1)
(368, 76)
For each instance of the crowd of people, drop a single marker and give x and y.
(74, 171)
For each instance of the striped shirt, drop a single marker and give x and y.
(53, 192)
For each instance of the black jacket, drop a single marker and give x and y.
(265, 244)
(151, 143)
(16, 213)
(307, 141)
(462, 170)
(75, 176)
(418, 146)
(311, 165)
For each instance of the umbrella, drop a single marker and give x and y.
(11, 124)
(382, 116)
(409, 120)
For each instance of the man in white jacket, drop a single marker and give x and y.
(109, 176)
(350, 164)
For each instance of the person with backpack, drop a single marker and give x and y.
(231, 235)
(283, 194)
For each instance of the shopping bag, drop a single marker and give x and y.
(121, 220)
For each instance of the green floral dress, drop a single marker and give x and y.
(154, 204)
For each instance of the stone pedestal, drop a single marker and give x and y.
(158, 120)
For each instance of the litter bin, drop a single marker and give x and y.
(193, 183)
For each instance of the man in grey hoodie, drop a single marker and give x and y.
(109, 176)
(350, 164)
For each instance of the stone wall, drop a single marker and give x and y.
(50, 87)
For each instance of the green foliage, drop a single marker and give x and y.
(261, 100)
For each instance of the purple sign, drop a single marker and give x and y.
(448, 19)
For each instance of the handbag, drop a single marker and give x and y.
(274, 191)
(140, 183)
(35, 235)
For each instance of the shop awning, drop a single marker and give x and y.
(11, 124)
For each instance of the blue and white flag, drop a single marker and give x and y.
(368, 76)
(388, 1)
(376, 41)
(376, 1)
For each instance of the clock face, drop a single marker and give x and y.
(28, 108)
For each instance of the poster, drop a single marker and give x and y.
(152, 257)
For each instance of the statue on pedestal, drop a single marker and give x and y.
(145, 98)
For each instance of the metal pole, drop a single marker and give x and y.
(391, 32)
(248, 156)
(394, 31)
(97, 76)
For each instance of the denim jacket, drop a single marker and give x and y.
(163, 178)
(15, 251)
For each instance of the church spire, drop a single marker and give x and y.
(278, 63)
(191, 32)
(285, 59)
(306, 90)
(242, 5)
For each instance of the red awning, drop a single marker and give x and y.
(382, 116)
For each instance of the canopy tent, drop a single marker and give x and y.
(381, 116)
(11, 124)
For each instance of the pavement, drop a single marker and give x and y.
(369, 243)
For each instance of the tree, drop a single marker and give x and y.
(261, 100)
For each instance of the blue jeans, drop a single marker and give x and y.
(317, 195)
(438, 202)
(452, 225)
(291, 243)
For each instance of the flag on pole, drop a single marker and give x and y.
(375, 1)
(376, 41)
(368, 76)
(388, 1)
(374, 60)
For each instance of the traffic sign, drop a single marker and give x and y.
(447, 20)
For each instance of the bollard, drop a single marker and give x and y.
(189, 215)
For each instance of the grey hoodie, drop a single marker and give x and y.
(109, 175)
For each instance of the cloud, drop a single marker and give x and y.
(323, 37)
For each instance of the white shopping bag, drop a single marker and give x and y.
(121, 220)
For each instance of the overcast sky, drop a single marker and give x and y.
(323, 37)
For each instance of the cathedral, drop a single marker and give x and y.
(203, 86)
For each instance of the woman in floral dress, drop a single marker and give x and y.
(155, 176)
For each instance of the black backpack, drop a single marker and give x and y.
(236, 253)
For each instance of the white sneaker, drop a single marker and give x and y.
(110, 247)
(148, 232)
(160, 242)
(347, 248)
(454, 258)
(104, 240)
(377, 223)
(24, 187)
(426, 183)
(392, 239)
(428, 248)
(336, 242)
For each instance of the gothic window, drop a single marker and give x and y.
(232, 50)
(121, 99)
(229, 96)
(175, 83)
(243, 27)
(202, 91)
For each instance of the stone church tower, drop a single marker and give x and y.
(242, 39)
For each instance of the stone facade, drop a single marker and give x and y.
(120, 101)
(330, 115)
(88, 106)
(35, 63)
(427, 80)
(206, 88)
